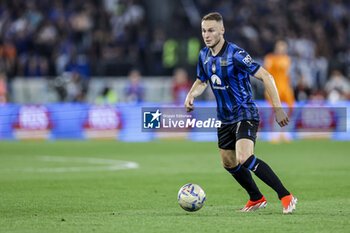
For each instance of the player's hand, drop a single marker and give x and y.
(281, 117)
(189, 103)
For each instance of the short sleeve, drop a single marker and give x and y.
(200, 70)
(245, 62)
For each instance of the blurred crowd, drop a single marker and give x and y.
(76, 39)
(49, 37)
(317, 33)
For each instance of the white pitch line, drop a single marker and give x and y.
(110, 164)
(80, 160)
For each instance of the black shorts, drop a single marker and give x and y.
(229, 134)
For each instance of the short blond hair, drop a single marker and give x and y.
(213, 16)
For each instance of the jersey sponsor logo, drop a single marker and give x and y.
(215, 79)
(223, 63)
(247, 60)
(213, 68)
(220, 88)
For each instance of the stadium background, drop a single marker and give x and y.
(128, 54)
(72, 70)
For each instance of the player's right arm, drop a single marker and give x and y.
(197, 89)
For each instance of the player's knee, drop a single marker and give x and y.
(229, 164)
(242, 157)
(244, 149)
(228, 158)
(242, 160)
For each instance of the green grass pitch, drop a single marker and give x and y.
(75, 187)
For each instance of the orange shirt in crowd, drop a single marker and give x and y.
(278, 66)
(8, 51)
(3, 90)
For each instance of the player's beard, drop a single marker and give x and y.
(213, 46)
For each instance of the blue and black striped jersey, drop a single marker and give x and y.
(228, 74)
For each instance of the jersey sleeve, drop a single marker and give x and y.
(200, 70)
(245, 62)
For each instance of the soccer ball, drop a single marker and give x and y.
(191, 197)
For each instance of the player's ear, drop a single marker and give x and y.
(222, 30)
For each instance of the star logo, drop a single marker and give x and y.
(156, 115)
(151, 119)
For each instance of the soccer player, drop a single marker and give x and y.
(278, 65)
(226, 67)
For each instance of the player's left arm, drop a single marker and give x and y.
(269, 83)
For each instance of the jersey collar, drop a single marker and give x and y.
(222, 50)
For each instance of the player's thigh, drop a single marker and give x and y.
(227, 137)
(246, 134)
(228, 158)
